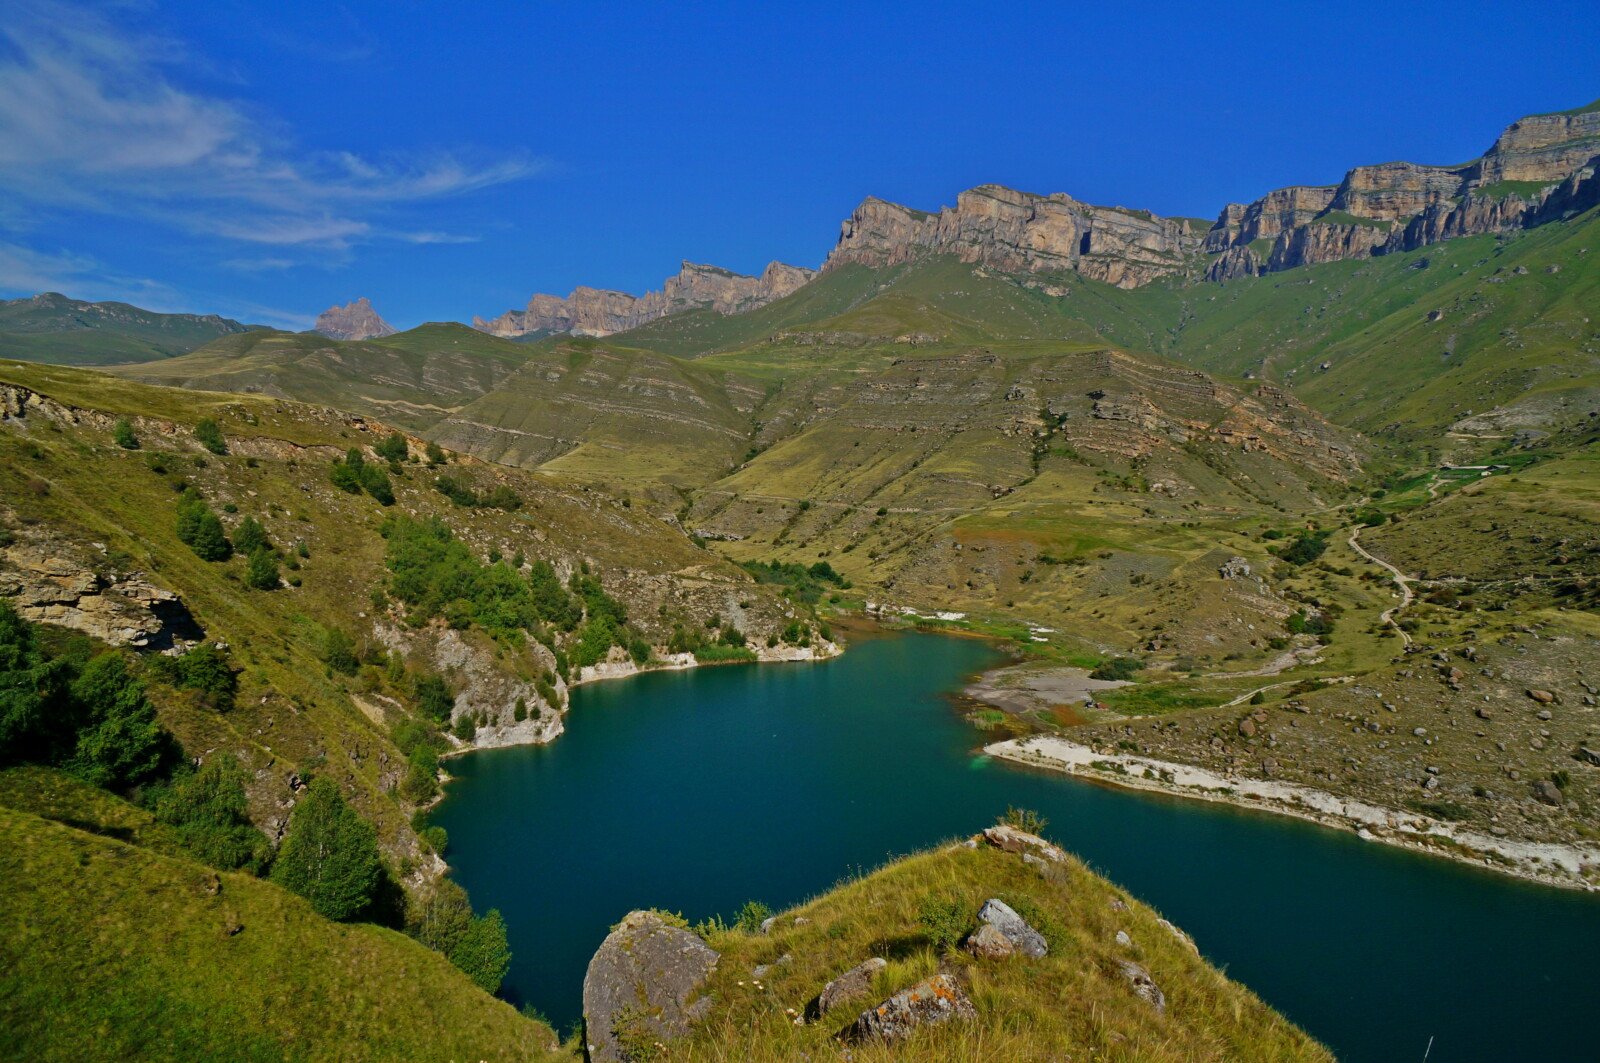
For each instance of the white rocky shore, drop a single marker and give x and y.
(1570, 865)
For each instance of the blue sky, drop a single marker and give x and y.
(263, 160)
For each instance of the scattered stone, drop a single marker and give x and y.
(1543, 697)
(853, 983)
(767, 923)
(1544, 714)
(1546, 792)
(1588, 756)
(644, 974)
(761, 970)
(1124, 940)
(1143, 985)
(1026, 939)
(988, 943)
(931, 1001)
(1247, 727)
(1483, 713)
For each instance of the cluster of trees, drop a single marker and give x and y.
(84, 713)
(200, 528)
(497, 497)
(355, 474)
(1306, 546)
(799, 582)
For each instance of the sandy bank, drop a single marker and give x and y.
(1572, 866)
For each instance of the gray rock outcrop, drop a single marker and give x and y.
(1143, 985)
(1024, 938)
(931, 1001)
(644, 982)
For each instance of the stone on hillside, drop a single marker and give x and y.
(988, 943)
(1546, 792)
(1124, 940)
(854, 982)
(1024, 938)
(931, 1001)
(1143, 984)
(1004, 836)
(642, 981)
(1589, 756)
(1543, 697)
(1176, 932)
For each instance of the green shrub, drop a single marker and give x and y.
(250, 536)
(122, 434)
(393, 448)
(435, 454)
(210, 436)
(1121, 669)
(434, 697)
(201, 529)
(338, 652)
(1304, 548)
(261, 573)
(330, 856)
(1025, 819)
(375, 482)
(751, 916)
(944, 921)
(208, 670)
(210, 811)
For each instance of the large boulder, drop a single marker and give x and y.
(1143, 985)
(1004, 836)
(643, 983)
(853, 983)
(930, 1002)
(1024, 938)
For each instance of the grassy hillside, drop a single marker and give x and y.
(243, 970)
(301, 708)
(52, 328)
(1072, 1003)
(411, 379)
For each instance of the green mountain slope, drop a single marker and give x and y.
(53, 328)
(243, 970)
(412, 378)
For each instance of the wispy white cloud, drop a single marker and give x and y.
(90, 119)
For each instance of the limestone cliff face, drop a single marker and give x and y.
(597, 312)
(1020, 232)
(1400, 206)
(353, 321)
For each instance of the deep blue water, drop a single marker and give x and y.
(697, 791)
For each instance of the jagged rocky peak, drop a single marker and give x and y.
(1022, 232)
(600, 312)
(353, 321)
(1541, 167)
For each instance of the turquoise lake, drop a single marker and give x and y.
(697, 791)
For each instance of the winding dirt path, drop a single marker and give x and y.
(1401, 580)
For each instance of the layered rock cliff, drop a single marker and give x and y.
(1540, 168)
(597, 312)
(1022, 232)
(353, 321)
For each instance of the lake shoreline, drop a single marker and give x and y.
(1530, 861)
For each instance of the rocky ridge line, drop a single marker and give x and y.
(598, 312)
(353, 321)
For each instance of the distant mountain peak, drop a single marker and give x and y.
(353, 321)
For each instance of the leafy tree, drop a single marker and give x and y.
(35, 707)
(339, 652)
(210, 541)
(376, 483)
(122, 434)
(250, 536)
(345, 477)
(119, 743)
(330, 856)
(434, 697)
(393, 448)
(751, 916)
(1306, 547)
(211, 813)
(483, 952)
(595, 639)
(210, 436)
(207, 669)
(262, 571)
(435, 454)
